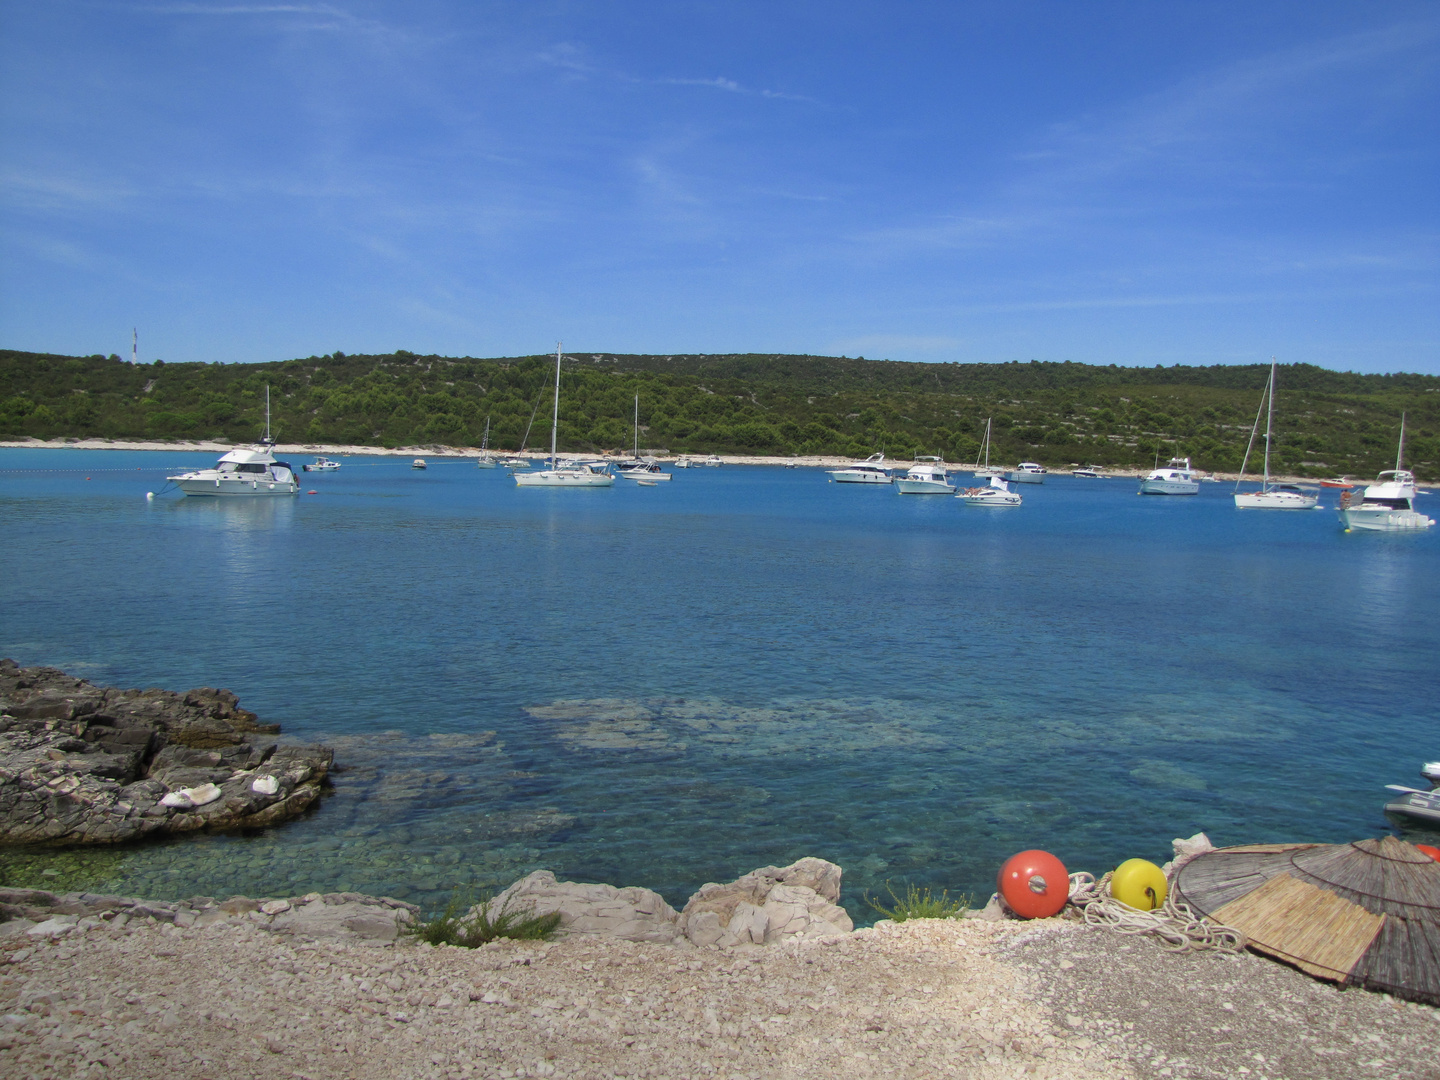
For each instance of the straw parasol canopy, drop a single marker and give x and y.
(1361, 914)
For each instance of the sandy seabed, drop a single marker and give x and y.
(928, 998)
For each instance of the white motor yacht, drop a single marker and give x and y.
(556, 474)
(1088, 472)
(321, 464)
(683, 463)
(926, 477)
(643, 470)
(419, 463)
(870, 471)
(245, 472)
(998, 493)
(1388, 505)
(713, 461)
(1270, 496)
(1027, 472)
(1176, 478)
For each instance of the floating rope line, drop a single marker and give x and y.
(1177, 927)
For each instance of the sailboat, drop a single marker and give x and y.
(981, 471)
(638, 468)
(519, 460)
(1270, 496)
(587, 474)
(1388, 505)
(486, 460)
(247, 471)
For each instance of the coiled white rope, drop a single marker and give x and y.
(1177, 927)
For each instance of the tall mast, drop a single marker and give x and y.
(1400, 450)
(1269, 416)
(134, 345)
(267, 414)
(555, 419)
(637, 427)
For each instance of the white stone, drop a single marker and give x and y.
(768, 905)
(275, 907)
(60, 924)
(265, 785)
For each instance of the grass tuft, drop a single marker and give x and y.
(469, 931)
(919, 903)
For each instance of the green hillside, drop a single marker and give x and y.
(1328, 422)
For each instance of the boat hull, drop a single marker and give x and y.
(1169, 487)
(1007, 499)
(650, 476)
(924, 487)
(1384, 520)
(846, 476)
(235, 489)
(1274, 500)
(1421, 806)
(563, 478)
(1016, 476)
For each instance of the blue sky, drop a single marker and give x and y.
(1132, 183)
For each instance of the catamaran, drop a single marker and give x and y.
(247, 471)
(1270, 496)
(586, 474)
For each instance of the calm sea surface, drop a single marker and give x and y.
(670, 685)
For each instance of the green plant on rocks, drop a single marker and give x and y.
(920, 903)
(468, 925)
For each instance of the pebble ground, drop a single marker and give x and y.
(916, 1000)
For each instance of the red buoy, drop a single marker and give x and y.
(1433, 852)
(1034, 884)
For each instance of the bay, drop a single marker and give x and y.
(670, 685)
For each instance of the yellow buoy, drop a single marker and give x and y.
(1139, 884)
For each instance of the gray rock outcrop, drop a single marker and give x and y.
(767, 905)
(352, 917)
(633, 913)
(83, 764)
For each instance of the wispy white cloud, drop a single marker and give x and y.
(572, 58)
(297, 16)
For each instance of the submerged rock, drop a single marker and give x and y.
(83, 764)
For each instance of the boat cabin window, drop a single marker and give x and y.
(1393, 504)
(250, 467)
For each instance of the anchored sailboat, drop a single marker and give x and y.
(556, 475)
(1270, 496)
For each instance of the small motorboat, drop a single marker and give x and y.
(1088, 472)
(321, 464)
(997, 494)
(1338, 482)
(683, 463)
(926, 477)
(1414, 803)
(1027, 472)
(870, 471)
(713, 461)
(646, 471)
(418, 463)
(1431, 771)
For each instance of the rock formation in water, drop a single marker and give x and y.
(85, 764)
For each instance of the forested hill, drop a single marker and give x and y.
(1328, 422)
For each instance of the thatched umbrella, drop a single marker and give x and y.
(1362, 914)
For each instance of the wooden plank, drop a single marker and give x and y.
(1310, 927)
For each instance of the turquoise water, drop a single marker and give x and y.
(675, 684)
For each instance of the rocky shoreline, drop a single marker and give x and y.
(84, 764)
(440, 450)
(332, 986)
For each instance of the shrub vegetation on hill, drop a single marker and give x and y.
(1329, 422)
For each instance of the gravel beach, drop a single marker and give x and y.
(924, 998)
